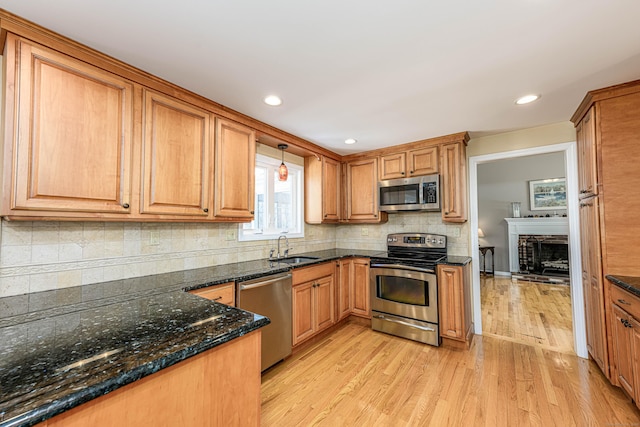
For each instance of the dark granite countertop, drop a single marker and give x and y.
(455, 260)
(123, 330)
(631, 284)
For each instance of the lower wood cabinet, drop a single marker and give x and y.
(626, 341)
(224, 293)
(218, 387)
(313, 300)
(352, 290)
(454, 302)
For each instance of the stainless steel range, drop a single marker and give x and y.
(404, 291)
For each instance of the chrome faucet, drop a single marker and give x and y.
(286, 252)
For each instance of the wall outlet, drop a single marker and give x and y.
(364, 231)
(231, 235)
(154, 237)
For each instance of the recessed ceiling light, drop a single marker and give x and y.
(527, 99)
(350, 141)
(273, 100)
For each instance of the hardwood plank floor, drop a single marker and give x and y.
(527, 312)
(358, 377)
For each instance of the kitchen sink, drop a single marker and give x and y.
(297, 259)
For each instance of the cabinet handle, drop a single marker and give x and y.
(217, 298)
(621, 301)
(125, 205)
(206, 210)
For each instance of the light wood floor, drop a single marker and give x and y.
(358, 377)
(527, 312)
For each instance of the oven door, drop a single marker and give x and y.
(404, 291)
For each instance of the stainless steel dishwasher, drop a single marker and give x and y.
(270, 296)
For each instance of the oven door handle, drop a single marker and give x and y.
(402, 267)
(423, 328)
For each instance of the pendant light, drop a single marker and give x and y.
(283, 172)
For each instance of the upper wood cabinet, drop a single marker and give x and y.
(454, 182)
(322, 182)
(362, 191)
(235, 161)
(587, 167)
(417, 162)
(68, 135)
(176, 157)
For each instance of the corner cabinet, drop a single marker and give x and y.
(235, 170)
(322, 198)
(68, 136)
(454, 302)
(454, 182)
(176, 157)
(313, 300)
(362, 192)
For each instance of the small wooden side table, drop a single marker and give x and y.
(483, 252)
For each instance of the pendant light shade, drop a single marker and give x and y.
(283, 172)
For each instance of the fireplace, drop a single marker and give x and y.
(545, 255)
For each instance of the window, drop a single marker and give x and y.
(278, 204)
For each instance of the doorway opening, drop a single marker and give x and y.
(575, 290)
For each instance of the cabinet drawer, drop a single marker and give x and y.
(625, 300)
(305, 274)
(224, 293)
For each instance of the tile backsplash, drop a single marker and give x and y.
(40, 255)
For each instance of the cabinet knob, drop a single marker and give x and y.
(125, 205)
(401, 173)
(251, 212)
(446, 213)
(410, 171)
(325, 215)
(206, 210)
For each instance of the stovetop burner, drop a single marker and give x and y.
(414, 249)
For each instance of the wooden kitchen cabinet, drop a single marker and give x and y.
(218, 387)
(592, 282)
(454, 302)
(361, 300)
(322, 198)
(344, 288)
(224, 293)
(409, 163)
(454, 182)
(626, 340)
(313, 300)
(176, 157)
(235, 161)
(362, 192)
(68, 136)
(587, 167)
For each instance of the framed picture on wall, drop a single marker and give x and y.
(548, 194)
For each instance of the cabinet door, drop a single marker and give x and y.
(393, 166)
(344, 288)
(235, 170)
(224, 293)
(593, 283)
(303, 311)
(587, 169)
(177, 167)
(71, 125)
(451, 302)
(362, 196)
(331, 170)
(325, 305)
(423, 161)
(635, 357)
(454, 182)
(361, 291)
(622, 340)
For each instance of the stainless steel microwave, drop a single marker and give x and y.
(419, 193)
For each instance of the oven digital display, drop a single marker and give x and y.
(414, 239)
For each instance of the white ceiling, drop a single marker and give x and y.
(383, 72)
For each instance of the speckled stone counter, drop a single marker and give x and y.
(631, 284)
(62, 348)
(455, 260)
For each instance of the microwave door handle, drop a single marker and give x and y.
(402, 267)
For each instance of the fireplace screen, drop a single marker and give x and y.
(544, 255)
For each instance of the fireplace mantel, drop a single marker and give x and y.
(548, 226)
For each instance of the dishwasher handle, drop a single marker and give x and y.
(264, 282)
